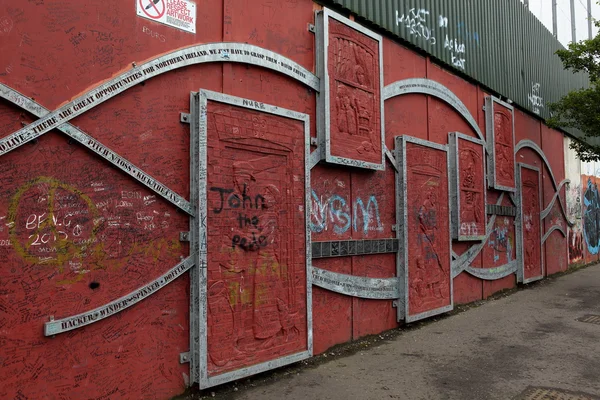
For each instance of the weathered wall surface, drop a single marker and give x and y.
(81, 227)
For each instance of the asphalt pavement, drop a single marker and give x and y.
(539, 342)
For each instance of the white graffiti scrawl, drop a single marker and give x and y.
(415, 21)
(535, 100)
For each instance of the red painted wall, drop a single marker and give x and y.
(76, 233)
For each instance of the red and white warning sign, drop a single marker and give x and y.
(180, 14)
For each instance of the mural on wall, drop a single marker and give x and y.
(574, 203)
(256, 238)
(574, 206)
(352, 131)
(591, 216)
(73, 226)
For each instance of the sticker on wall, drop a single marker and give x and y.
(349, 63)
(180, 14)
(500, 133)
(467, 186)
(423, 213)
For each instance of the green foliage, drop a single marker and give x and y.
(580, 109)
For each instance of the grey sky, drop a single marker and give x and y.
(542, 9)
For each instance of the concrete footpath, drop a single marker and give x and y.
(525, 345)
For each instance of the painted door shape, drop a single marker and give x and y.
(530, 224)
(255, 289)
(424, 262)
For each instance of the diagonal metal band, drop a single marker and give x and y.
(212, 52)
(77, 134)
(77, 321)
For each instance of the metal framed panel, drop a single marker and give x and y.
(354, 104)
(502, 139)
(205, 379)
(403, 187)
(464, 230)
(519, 221)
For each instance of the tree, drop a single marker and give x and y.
(580, 109)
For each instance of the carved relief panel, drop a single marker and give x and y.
(500, 133)
(467, 171)
(424, 220)
(530, 226)
(257, 286)
(349, 60)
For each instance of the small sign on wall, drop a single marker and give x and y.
(180, 14)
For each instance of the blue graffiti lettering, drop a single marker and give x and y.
(335, 212)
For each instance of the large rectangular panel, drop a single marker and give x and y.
(500, 134)
(255, 289)
(350, 118)
(424, 219)
(467, 172)
(530, 224)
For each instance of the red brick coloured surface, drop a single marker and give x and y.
(429, 281)
(257, 238)
(355, 96)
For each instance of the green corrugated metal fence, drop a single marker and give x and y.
(499, 43)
